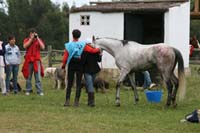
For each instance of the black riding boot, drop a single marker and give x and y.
(91, 102)
(67, 102)
(89, 98)
(68, 93)
(76, 102)
(77, 97)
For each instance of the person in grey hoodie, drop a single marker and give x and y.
(12, 60)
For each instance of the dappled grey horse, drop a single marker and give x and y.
(131, 57)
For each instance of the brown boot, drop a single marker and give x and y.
(76, 102)
(67, 103)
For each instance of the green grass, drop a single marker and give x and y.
(24, 114)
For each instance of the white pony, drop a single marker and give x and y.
(131, 57)
(49, 71)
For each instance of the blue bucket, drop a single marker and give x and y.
(153, 96)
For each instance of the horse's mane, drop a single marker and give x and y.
(124, 42)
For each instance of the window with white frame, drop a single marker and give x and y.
(85, 19)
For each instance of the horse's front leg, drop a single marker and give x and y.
(118, 93)
(122, 76)
(133, 85)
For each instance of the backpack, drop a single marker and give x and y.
(193, 117)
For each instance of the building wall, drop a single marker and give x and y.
(101, 25)
(176, 29)
(177, 26)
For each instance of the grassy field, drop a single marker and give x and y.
(24, 114)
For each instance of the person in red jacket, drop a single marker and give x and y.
(32, 63)
(72, 57)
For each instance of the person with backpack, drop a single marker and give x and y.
(72, 57)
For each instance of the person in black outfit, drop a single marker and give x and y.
(90, 69)
(72, 57)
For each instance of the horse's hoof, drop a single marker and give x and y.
(167, 105)
(137, 100)
(117, 104)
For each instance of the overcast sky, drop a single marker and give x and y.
(77, 2)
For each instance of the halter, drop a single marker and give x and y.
(93, 42)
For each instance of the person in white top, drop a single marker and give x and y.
(2, 68)
(12, 60)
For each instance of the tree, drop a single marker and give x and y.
(65, 9)
(4, 30)
(73, 4)
(55, 23)
(20, 17)
(46, 17)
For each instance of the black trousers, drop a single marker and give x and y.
(70, 77)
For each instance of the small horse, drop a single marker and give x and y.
(131, 57)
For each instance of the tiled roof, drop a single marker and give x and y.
(142, 5)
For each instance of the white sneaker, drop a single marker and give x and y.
(152, 85)
(27, 93)
(41, 94)
(4, 94)
(183, 120)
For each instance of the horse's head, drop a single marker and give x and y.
(94, 43)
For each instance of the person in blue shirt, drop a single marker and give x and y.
(72, 58)
(12, 60)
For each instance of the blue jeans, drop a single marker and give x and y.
(37, 76)
(14, 70)
(147, 79)
(89, 81)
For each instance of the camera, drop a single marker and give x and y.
(35, 35)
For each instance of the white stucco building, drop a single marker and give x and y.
(146, 22)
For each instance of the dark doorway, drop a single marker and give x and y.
(144, 28)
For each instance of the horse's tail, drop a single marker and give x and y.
(181, 74)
